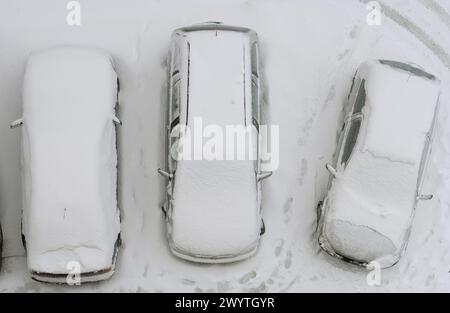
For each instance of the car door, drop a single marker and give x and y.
(348, 133)
(426, 153)
(174, 121)
(351, 136)
(173, 134)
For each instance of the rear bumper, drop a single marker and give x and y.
(212, 259)
(84, 277)
(87, 277)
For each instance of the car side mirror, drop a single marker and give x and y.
(424, 197)
(165, 174)
(16, 123)
(331, 169)
(117, 120)
(263, 175)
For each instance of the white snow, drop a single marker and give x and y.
(310, 51)
(69, 160)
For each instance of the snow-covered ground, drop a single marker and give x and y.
(310, 50)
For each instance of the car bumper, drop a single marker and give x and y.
(87, 277)
(212, 259)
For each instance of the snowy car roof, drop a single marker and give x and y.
(219, 57)
(399, 111)
(70, 159)
(217, 79)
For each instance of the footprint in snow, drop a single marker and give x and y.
(260, 288)
(188, 282)
(223, 286)
(287, 209)
(288, 260)
(303, 170)
(247, 277)
(354, 32)
(279, 247)
(430, 279)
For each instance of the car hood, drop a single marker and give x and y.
(388, 219)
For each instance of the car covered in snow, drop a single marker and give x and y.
(381, 158)
(213, 207)
(70, 217)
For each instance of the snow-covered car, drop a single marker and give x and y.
(70, 217)
(213, 207)
(382, 155)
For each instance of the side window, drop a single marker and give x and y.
(255, 85)
(255, 103)
(175, 87)
(173, 131)
(255, 59)
(175, 105)
(255, 121)
(350, 140)
(176, 55)
(360, 99)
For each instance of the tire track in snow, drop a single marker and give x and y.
(416, 31)
(438, 10)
